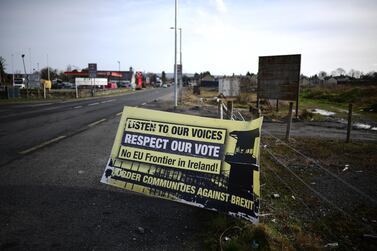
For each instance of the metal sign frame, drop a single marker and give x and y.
(92, 70)
(279, 78)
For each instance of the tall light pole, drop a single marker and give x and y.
(180, 82)
(48, 69)
(30, 65)
(119, 71)
(27, 82)
(12, 71)
(175, 55)
(180, 44)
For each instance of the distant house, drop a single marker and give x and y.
(209, 82)
(254, 79)
(342, 79)
(112, 76)
(315, 80)
(330, 81)
(304, 81)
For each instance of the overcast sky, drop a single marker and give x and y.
(221, 36)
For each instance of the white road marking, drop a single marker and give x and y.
(143, 103)
(93, 104)
(96, 122)
(107, 101)
(77, 107)
(42, 145)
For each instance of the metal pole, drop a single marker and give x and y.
(30, 65)
(27, 82)
(12, 71)
(221, 110)
(77, 91)
(288, 132)
(175, 55)
(349, 125)
(119, 72)
(180, 60)
(48, 70)
(180, 46)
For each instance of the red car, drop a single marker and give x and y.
(112, 85)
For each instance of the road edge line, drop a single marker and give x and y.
(34, 148)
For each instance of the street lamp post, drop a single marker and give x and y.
(180, 62)
(175, 54)
(27, 82)
(119, 72)
(12, 71)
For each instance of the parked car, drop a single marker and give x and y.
(125, 84)
(112, 85)
(67, 85)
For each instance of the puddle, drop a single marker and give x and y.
(364, 126)
(322, 112)
(361, 126)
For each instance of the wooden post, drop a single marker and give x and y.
(277, 105)
(287, 134)
(221, 111)
(349, 125)
(229, 106)
(219, 107)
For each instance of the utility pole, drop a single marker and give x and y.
(180, 62)
(175, 56)
(119, 71)
(48, 76)
(48, 69)
(30, 64)
(12, 71)
(27, 81)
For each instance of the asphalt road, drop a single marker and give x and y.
(28, 127)
(52, 198)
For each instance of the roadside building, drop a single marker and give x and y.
(304, 81)
(315, 80)
(123, 78)
(209, 82)
(330, 81)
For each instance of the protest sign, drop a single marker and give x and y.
(205, 162)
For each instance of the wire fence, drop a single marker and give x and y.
(302, 195)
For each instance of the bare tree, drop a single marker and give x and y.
(340, 71)
(354, 73)
(2, 70)
(322, 74)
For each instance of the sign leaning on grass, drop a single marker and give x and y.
(204, 162)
